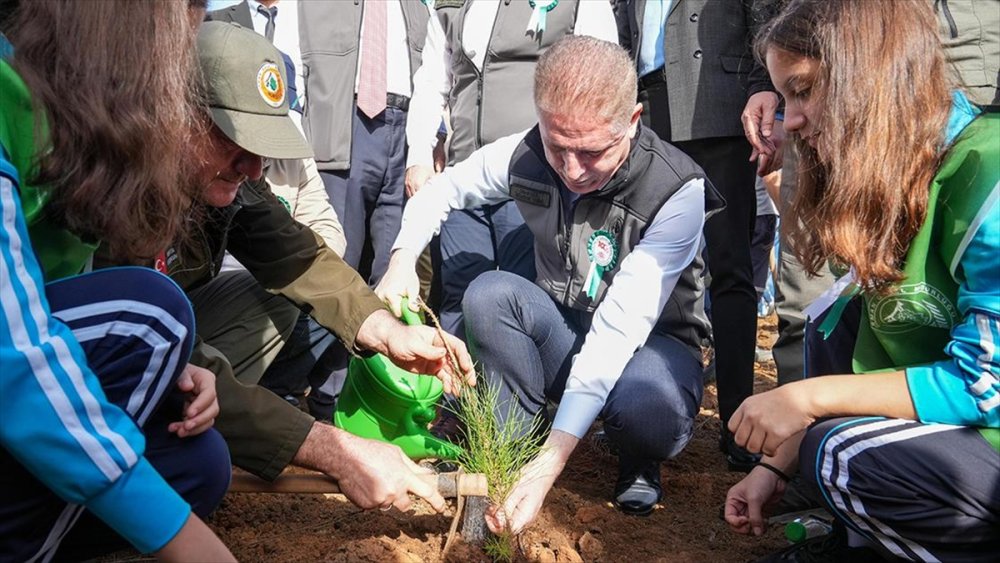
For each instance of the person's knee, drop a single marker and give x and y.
(210, 470)
(652, 422)
(488, 296)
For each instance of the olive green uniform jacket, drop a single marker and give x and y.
(263, 431)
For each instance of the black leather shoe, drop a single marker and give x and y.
(638, 488)
(737, 458)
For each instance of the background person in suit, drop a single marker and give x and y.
(693, 57)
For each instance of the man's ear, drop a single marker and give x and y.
(633, 125)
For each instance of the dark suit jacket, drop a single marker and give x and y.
(238, 13)
(707, 47)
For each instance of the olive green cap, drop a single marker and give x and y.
(247, 95)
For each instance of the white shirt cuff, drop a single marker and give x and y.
(577, 411)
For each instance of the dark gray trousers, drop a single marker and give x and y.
(924, 492)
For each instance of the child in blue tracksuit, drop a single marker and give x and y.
(102, 422)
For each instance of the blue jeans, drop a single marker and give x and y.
(478, 240)
(526, 342)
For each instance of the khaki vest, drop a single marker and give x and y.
(497, 101)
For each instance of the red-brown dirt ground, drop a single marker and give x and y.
(577, 522)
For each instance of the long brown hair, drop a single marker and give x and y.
(884, 93)
(114, 82)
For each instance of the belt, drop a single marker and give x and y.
(397, 101)
(652, 78)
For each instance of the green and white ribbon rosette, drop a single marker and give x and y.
(603, 252)
(541, 7)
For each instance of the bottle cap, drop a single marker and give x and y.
(795, 531)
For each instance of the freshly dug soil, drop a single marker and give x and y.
(577, 522)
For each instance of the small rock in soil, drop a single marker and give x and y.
(568, 555)
(588, 514)
(591, 548)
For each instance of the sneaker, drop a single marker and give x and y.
(638, 488)
(737, 458)
(829, 548)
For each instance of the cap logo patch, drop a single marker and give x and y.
(270, 85)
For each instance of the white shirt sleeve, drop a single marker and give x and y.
(632, 306)
(596, 19)
(431, 85)
(478, 180)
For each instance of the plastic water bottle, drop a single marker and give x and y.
(806, 527)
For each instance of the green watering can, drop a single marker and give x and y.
(383, 402)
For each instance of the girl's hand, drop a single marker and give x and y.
(746, 500)
(763, 422)
(201, 406)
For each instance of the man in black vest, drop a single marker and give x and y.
(613, 324)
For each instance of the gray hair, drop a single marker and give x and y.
(589, 74)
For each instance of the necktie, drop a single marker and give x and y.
(271, 14)
(372, 82)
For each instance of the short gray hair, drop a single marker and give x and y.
(585, 72)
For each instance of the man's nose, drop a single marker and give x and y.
(572, 166)
(250, 165)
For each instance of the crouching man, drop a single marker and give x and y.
(243, 317)
(613, 324)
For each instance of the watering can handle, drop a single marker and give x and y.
(409, 317)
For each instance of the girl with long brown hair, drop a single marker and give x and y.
(103, 421)
(899, 184)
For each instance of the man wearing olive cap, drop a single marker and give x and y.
(243, 317)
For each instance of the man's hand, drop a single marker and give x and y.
(400, 280)
(746, 500)
(525, 500)
(764, 421)
(416, 177)
(201, 405)
(758, 126)
(418, 349)
(371, 474)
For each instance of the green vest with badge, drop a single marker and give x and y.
(59, 252)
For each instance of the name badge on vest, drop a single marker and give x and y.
(603, 252)
(529, 195)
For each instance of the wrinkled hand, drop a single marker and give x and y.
(759, 129)
(419, 349)
(746, 500)
(201, 405)
(371, 474)
(764, 421)
(525, 500)
(416, 177)
(400, 280)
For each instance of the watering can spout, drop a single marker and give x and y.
(384, 402)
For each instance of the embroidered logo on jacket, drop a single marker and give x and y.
(911, 307)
